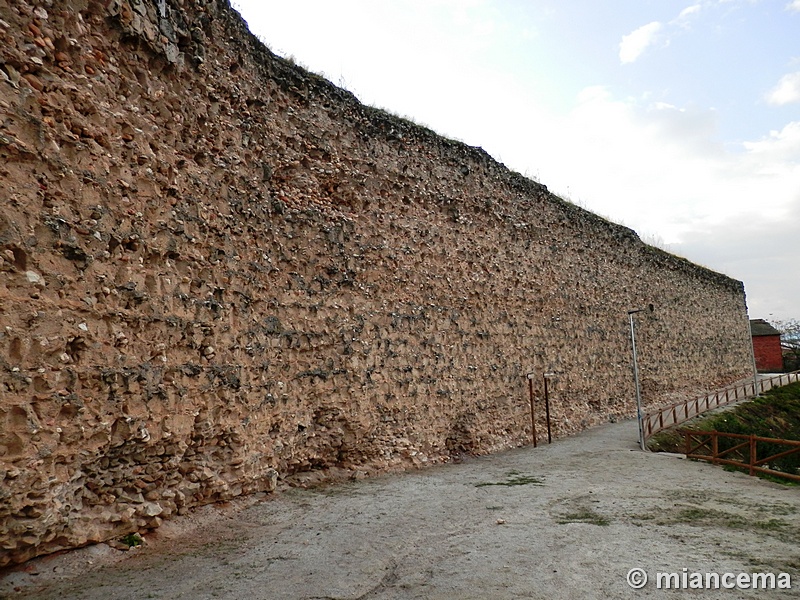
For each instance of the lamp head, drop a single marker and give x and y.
(649, 308)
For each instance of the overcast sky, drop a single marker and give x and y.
(678, 119)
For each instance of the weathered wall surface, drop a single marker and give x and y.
(217, 268)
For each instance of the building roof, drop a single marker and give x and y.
(760, 327)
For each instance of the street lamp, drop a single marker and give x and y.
(649, 308)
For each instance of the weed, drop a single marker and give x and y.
(584, 515)
(668, 440)
(779, 508)
(643, 517)
(132, 539)
(777, 479)
(689, 495)
(709, 516)
(770, 525)
(694, 514)
(513, 478)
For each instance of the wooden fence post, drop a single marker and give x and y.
(714, 447)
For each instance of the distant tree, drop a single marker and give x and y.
(790, 341)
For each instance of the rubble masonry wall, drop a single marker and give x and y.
(218, 269)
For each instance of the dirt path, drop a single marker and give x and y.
(585, 511)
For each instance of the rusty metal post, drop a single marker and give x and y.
(547, 408)
(533, 413)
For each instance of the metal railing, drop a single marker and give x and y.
(742, 451)
(675, 414)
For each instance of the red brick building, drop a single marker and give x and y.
(766, 346)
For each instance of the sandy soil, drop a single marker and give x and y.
(587, 510)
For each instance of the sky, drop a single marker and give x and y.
(678, 119)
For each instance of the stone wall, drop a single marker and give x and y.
(218, 269)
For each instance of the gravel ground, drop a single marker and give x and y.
(569, 520)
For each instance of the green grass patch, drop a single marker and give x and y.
(710, 517)
(584, 515)
(132, 539)
(513, 478)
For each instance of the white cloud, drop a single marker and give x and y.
(657, 167)
(691, 10)
(787, 140)
(636, 42)
(652, 167)
(777, 157)
(793, 6)
(788, 89)
(760, 250)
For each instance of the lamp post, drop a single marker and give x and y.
(649, 308)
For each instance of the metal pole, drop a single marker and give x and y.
(752, 351)
(636, 381)
(533, 417)
(547, 409)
